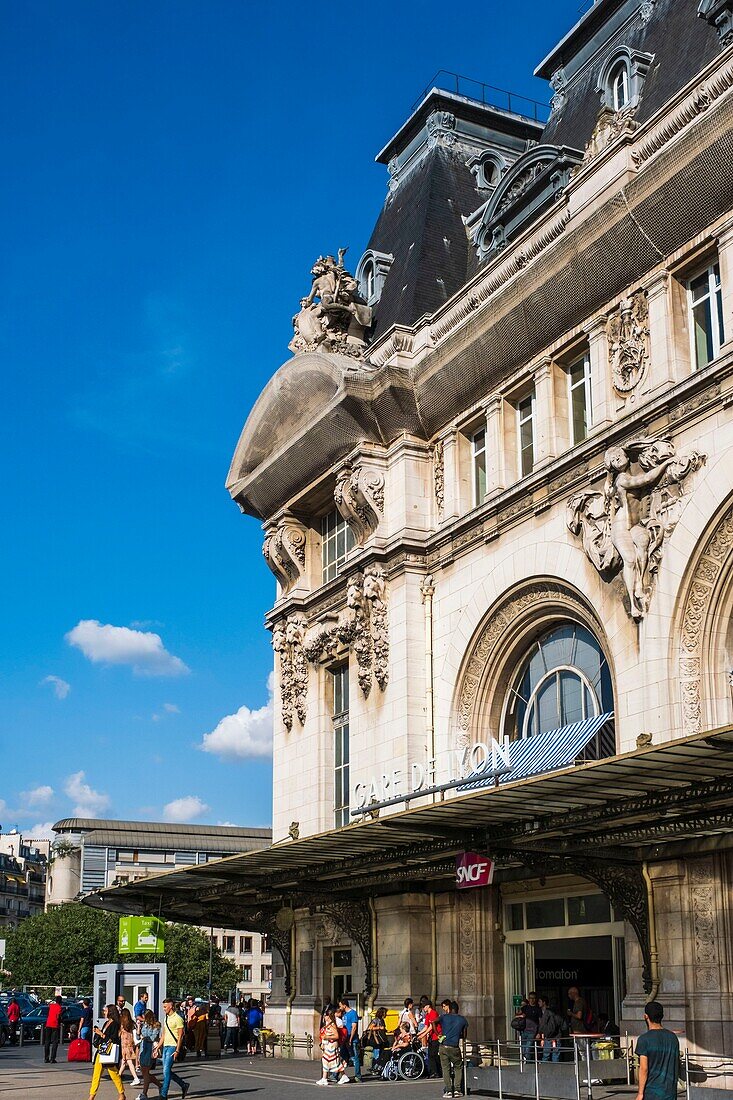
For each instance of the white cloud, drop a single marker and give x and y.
(43, 830)
(171, 708)
(228, 825)
(119, 645)
(184, 809)
(244, 734)
(39, 796)
(87, 801)
(60, 687)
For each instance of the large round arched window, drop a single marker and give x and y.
(562, 680)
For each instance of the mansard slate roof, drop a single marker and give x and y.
(680, 42)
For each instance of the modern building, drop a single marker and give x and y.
(91, 853)
(23, 863)
(496, 486)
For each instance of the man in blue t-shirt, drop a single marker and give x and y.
(350, 1049)
(658, 1051)
(453, 1027)
(141, 1007)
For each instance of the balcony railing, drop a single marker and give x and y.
(486, 94)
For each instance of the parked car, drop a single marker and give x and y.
(4, 1026)
(34, 1022)
(26, 1002)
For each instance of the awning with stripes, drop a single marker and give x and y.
(536, 755)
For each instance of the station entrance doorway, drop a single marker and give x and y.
(556, 942)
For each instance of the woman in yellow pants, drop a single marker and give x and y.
(109, 1033)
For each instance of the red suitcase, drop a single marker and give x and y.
(80, 1050)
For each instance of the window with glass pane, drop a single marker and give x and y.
(706, 315)
(515, 917)
(340, 679)
(478, 448)
(548, 913)
(562, 680)
(589, 909)
(337, 540)
(579, 398)
(525, 433)
(619, 81)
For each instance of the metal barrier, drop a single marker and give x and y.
(707, 1076)
(568, 1069)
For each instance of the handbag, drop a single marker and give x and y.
(519, 1023)
(108, 1052)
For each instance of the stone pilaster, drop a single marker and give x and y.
(725, 257)
(545, 443)
(496, 475)
(602, 392)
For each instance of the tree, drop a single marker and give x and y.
(62, 946)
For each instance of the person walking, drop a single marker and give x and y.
(453, 1027)
(108, 1033)
(128, 1053)
(14, 1015)
(52, 1030)
(254, 1024)
(429, 1036)
(658, 1051)
(351, 1050)
(231, 1022)
(87, 1020)
(150, 1030)
(331, 1061)
(170, 1046)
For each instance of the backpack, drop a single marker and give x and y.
(589, 1021)
(554, 1026)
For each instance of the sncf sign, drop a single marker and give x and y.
(473, 870)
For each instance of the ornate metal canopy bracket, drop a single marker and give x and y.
(263, 920)
(621, 882)
(355, 918)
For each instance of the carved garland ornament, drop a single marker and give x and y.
(287, 642)
(359, 498)
(697, 605)
(627, 329)
(439, 477)
(623, 528)
(701, 877)
(492, 635)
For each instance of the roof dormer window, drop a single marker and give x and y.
(622, 78)
(487, 169)
(371, 272)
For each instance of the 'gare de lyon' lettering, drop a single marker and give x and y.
(422, 777)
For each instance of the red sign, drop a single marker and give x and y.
(473, 870)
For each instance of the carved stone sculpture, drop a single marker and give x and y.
(361, 627)
(284, 551)
(610, 125)
(333, 317)
(623, 528)
(287, 642)
(439, 477)
(359, 497)
(628, 342)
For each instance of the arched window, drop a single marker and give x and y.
(619, 85)
(368, 277)
(370, 274)
(563, 679)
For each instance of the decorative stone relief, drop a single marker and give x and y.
(284, 551)
(359, 497)
(439, 477)
(558, 83)
(623, 528)
(333, 317)
(627, 329)
(494, 633)
(467, 942)
(646, 10)
(609, 126)
(287, 642)
(441, 126)
(362, 626)
(701, 875)
(707, 571)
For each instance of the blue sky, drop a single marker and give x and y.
(175, 168)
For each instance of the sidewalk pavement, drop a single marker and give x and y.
(23, 1073)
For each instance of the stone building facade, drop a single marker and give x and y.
(508, 506)
(496, 487)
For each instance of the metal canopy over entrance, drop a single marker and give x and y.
(599, 820)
